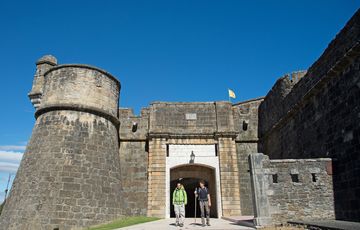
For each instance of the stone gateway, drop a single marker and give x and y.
(291, 155)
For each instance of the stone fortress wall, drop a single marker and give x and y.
(134, 161)
(70, 173)
(291, 189)
(89, 161)
(320, 117)
(246, 126)
(201, 123)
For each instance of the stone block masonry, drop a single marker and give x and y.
(89, 162)
(320, 117)
(133, 162)
(291, 189)
(70, 173)
(230, 193)
(246, 125)
(156, 177)
(134, 167)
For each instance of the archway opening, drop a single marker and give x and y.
(191, 174)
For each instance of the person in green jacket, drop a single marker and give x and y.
(179, 201)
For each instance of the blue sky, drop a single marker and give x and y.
(167, 50)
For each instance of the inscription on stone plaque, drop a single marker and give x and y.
(190, 116)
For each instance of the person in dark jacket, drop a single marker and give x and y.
(204, 202)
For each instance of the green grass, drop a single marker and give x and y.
(124, 222)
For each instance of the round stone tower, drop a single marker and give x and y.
(69, 176)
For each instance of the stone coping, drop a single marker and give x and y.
(79, 108)
(85, 67)
(248, 101)
(45, 62)
(299, 160)
(188, 103)
(192, 135)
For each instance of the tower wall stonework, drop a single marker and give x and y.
(70, 174)
(134, 161)
(42, 66)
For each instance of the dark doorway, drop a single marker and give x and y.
(191, 174)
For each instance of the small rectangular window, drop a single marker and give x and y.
(314, 177)
(245, 125)
(295, 178)
(275, 178)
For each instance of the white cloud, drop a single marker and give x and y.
(10, 156)
(12, 147)
(9, 161)
(8, 167)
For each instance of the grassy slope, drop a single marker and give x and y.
(127, 221)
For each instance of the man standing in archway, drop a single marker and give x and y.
(205, 202)
(179, 202)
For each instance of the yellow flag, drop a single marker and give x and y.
(231, 94)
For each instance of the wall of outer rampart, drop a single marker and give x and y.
(290, 190)
(319, 117)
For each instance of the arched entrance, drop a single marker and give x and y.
(191, 174)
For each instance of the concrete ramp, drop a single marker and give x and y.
(328, 224)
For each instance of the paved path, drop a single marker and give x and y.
(168, 224)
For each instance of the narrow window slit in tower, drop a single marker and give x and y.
(245, 125)
(275, 178)
(314, 177)
(134, 127)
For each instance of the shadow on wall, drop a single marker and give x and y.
(191, 175)
(320, 118)
(189, 184)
